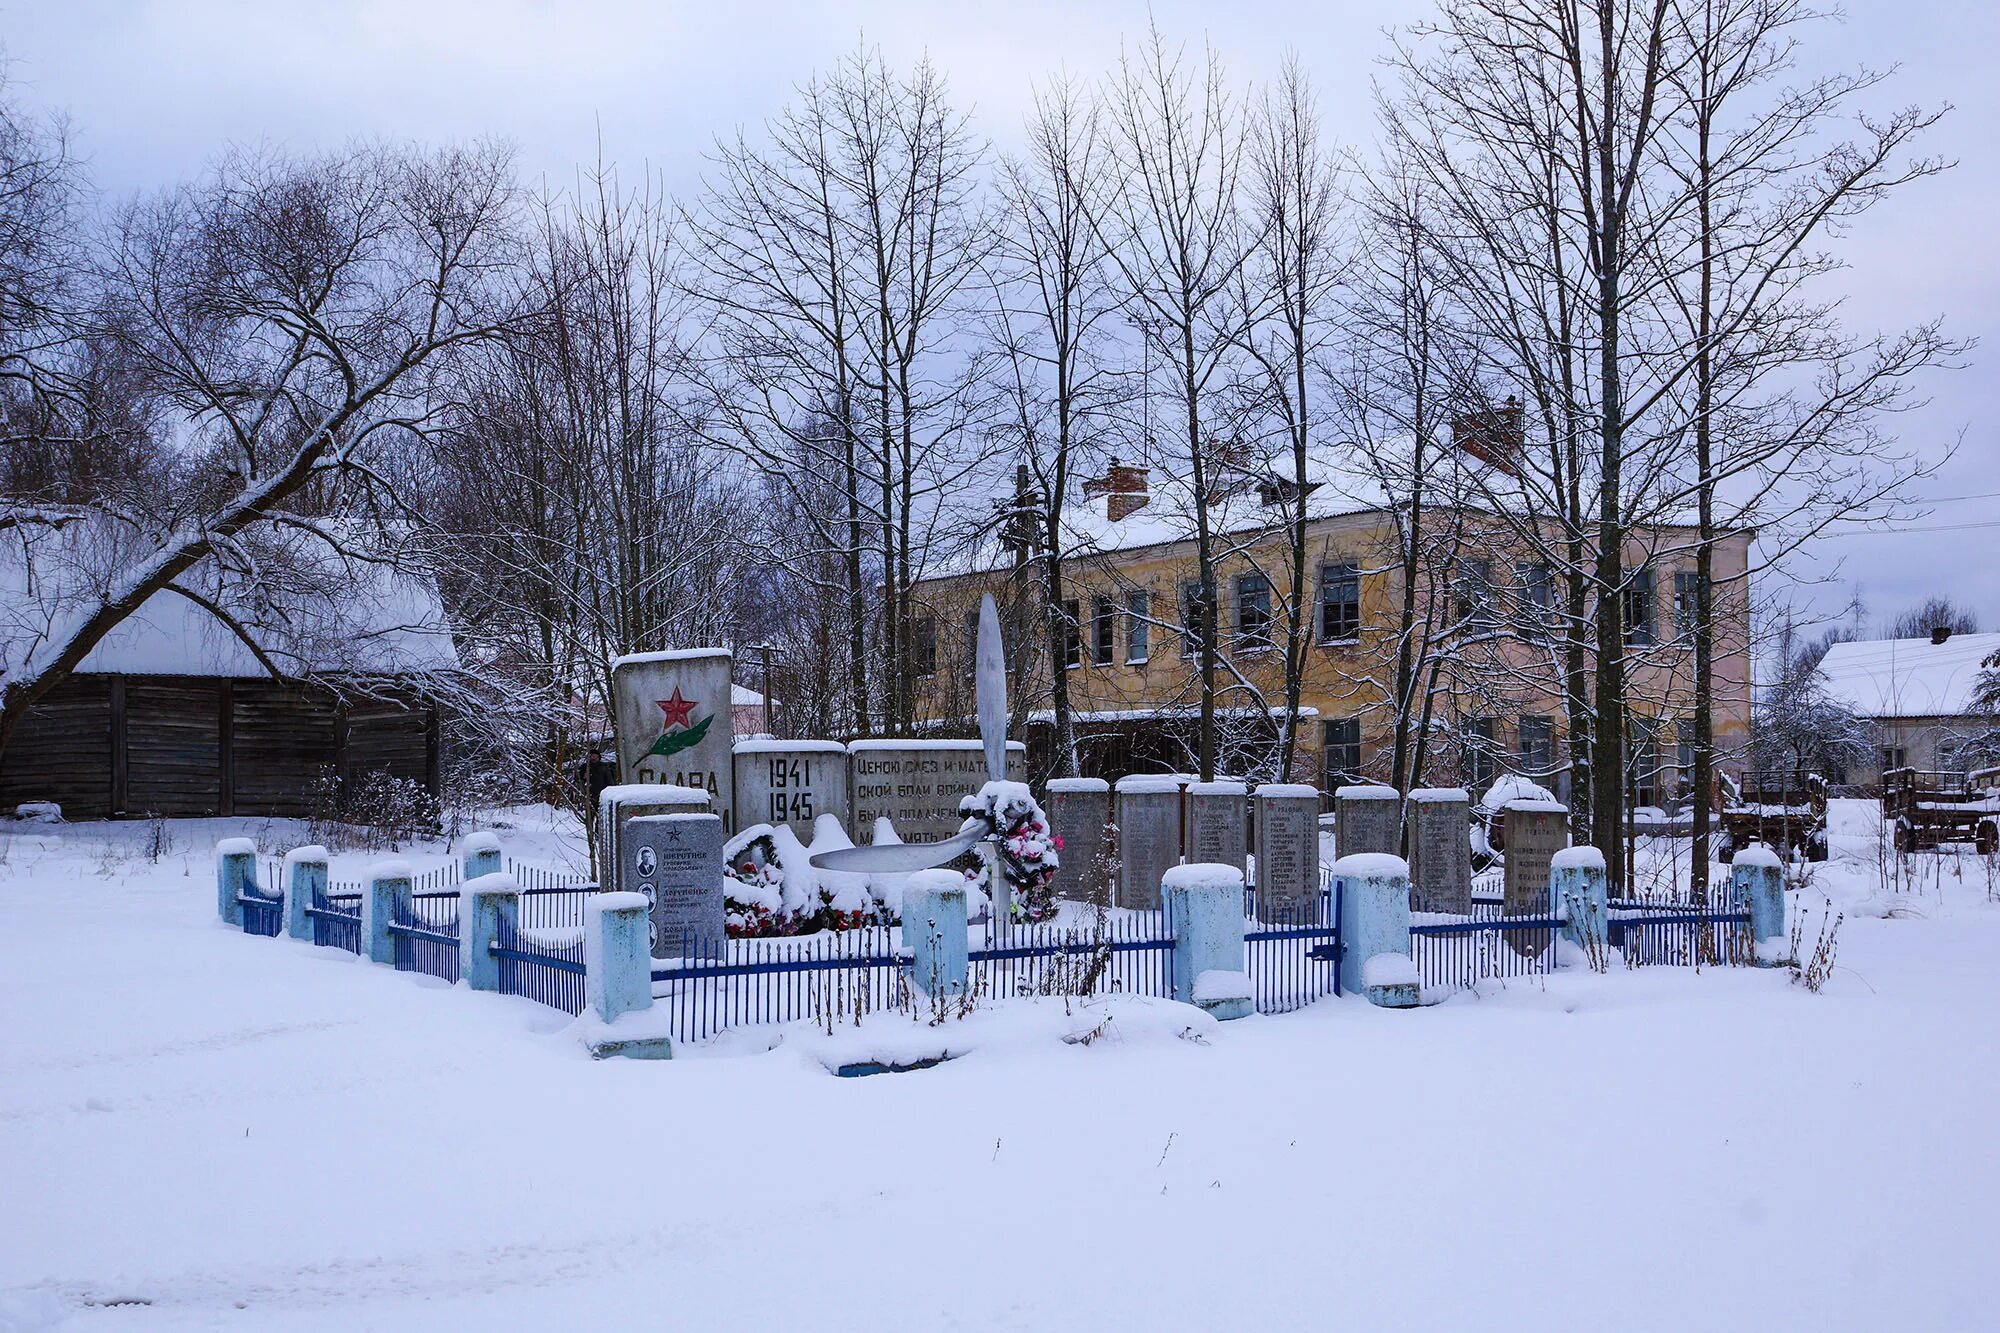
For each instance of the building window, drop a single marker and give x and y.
(1191, 617)
(1687, 603)
(1341, 744)
(1894, 757)
(1103, 631)
(924, 654)
(1138, 628)
(1475, 596)
(1538, 746)
(1642, 752)
(1253, 612)
(1480, 754)
(1638, 610)
(1072, 632)
(1535, 615)
(1339, 603)
(972, 643)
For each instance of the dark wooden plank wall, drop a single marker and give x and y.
(178, 745)
(62, 750)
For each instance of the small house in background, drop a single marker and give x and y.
(746, 711)
(1918, 696)
(173, 714)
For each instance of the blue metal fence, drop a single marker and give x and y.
(1125, 952)
(1455, 952)
(425, 934)
(1680, 932)
(261, 915)
(1292, 949)
(712, 985)
(544, 966)
(336, 919)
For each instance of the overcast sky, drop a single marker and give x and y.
(155, 88)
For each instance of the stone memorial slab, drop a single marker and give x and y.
(1535, 832)
(618, 806)
(790, 784)
(1440, 850)
(675, 861)
(1215, 823)
(1149, 836)
(917, 785)
(672, 714)
(1287, 842)
(1367, 819)
(1079, 809)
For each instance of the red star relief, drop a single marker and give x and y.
(679, 711)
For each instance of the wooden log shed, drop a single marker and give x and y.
(103, 744)
(173, 714)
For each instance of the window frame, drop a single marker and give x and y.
(1103, 631)
(1331, 575)
(1138, 628)
(1259, 639)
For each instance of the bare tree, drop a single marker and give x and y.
(1179, 242)
(1051, 307)
(283, 313)
(1288, 303)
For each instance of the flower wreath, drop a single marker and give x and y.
(1028, 852)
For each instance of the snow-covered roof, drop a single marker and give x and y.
(1338, 487)
(317, 613)
(742, 696)
(1907, 677)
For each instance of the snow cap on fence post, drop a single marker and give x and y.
(1757, 878)
(1374, 893)
(934, 932)
(482, 854)
(488, 908)
(1578, 895)
(385, 897)
(235, 871)
(305, 879)
(1204, 904)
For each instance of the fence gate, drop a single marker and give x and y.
(1292, 949)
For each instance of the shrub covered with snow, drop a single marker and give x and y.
(771, 887)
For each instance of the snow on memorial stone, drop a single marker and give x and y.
(1535, 832)
(1287, 841)
(1215, 820)
(1367, 819)
(618, 806)
(1149, 836)
(1079, 809)
(917, 785)
(1440, 850)
(675, 862)
(672, 713)
(789, 784)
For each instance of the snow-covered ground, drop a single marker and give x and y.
(199, 1129)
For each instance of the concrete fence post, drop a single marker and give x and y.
(1204, 905)
(305, 882)
(1578, 894)
(488, 908)
(1757, 879)
(1374, 892)
(934, 931)
(617, 959)
(235, 872)
(482, 854)
(386, 897)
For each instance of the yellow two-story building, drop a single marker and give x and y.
(1480, 621)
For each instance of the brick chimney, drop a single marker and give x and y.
(1493, 435)
(1123, 486)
